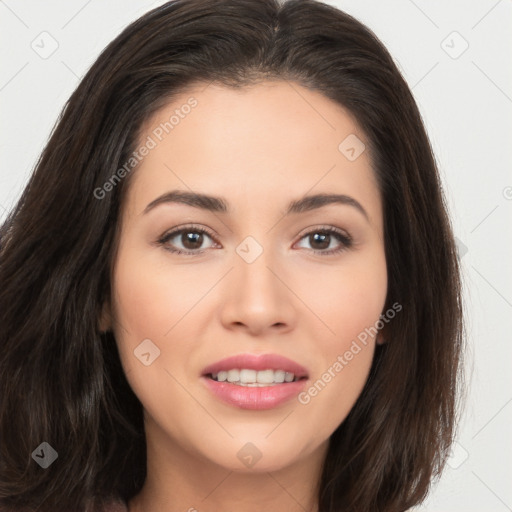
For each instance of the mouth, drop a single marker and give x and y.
(255, 382)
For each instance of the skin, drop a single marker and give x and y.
(259, 147)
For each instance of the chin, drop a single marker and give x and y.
(258, 455)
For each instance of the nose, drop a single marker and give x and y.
(258, 298)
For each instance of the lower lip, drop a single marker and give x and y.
(256, 398)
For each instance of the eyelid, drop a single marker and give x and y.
(324, 227)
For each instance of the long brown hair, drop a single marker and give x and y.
(61, 379)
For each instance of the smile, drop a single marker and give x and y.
(256, 382)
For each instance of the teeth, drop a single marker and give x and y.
(265, 376)
(247, 376)
(253, 378)
(233, 375)
(279, 376)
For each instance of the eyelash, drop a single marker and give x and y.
(344, 238)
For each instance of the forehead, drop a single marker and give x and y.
(270, 142)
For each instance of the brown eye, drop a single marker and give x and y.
(188, 240)
(321, 239)
(192, 240)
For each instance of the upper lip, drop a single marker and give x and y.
(257, 362)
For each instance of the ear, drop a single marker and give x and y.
(381, 337)
(105, 319)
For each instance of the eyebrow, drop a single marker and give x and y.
(220, 205)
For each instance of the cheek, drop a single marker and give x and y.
(349, 301)
(147, 303)
(357, 300)
(346, 298)
(150, 298)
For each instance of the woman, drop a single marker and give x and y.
(231, 282)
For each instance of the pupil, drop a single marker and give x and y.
(323, 238)
(193, 240)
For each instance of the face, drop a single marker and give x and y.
(279, 288)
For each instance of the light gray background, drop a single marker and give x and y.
(466, 100)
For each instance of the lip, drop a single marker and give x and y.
(255, 398)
